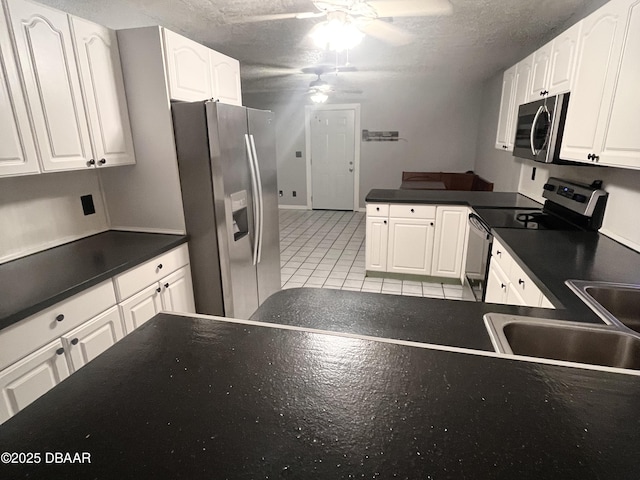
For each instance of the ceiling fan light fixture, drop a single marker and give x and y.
(319, 97)
(337, 33)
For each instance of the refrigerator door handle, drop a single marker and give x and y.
(254, 187)
(260, 197)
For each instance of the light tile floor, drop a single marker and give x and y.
(325, 249)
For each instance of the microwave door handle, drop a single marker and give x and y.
(533, 129)
(254, 187)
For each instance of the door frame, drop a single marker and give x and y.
(308, 111)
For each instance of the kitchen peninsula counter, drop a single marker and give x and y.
(200, 397)
(35, 282)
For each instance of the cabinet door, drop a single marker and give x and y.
(93, 337)
(521, 86)
(522, 290)
(497, 285)
(376, 244)
(33, 376)
(598, 54)
(141, 307)
(450, 233)
(563, 60)
(17, 145)
(410, 246)
(188, 68)
(225, 78)
(103, 87)
(45, 52)
(539, 73)
(177, 292)
(503, 136)
(622, 135)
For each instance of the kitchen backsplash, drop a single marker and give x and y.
(43, 211)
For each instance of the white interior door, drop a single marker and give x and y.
(332, 159)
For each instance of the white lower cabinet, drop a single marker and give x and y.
(508, 283)
(377, 235)
(33, 376)
(450, 236)
(176, 292)
(92, 338)
(410, 246)
(141, 307)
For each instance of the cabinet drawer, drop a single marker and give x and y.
(500, 255)
(136, 279)
(525, 287)
(377, 209)
(24, 337)
(412, 211)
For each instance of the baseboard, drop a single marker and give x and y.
(293, 207)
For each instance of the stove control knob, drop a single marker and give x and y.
(579, 198)
(550, 187)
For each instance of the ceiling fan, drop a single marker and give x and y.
(363, 17)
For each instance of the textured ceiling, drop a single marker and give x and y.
(480, 38)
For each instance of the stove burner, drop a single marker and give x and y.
(530, 218)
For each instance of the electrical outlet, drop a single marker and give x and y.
(294, 193)
(87, 204)
(298, 154)
(280, 194)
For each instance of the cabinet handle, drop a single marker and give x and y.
(74, 341)
(160, 266)
(412, 210)
(91, 162)
(504, 146)
(60, 351)
(596, 158)
(102, 161)
(520, 281)
(377, 209)
(59, 318)
(544, 92)
(385, 222)
(431, 224)
(158, 289)
(590, 156)
(166, 285)
(499, 253)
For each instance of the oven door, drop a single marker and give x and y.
(534, 130)
(478, 250)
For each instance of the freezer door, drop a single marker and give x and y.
(262, 130)
(233, 201)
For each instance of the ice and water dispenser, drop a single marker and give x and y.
(239, 214)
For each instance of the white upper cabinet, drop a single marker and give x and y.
(621, 134)
(74, 88)
(225, 77)
(563, 60)
(187, 68)
(539, 73)
(195, 72)
(598, 56)
(45, 51)
(18, 155)
(503, 137)
(521, 88)
(103, 86)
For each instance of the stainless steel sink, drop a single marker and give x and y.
(616, 303)
(567, 341)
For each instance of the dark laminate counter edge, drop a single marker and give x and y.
(453, 197)
(45, 278)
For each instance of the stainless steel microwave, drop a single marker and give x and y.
(539, 129)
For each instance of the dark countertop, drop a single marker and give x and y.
(553, 256)
(453, 197)
(35, 282)
(425, 320)
(191, 398)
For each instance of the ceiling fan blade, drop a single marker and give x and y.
(386, 32)
(411, 8)
(270, 17)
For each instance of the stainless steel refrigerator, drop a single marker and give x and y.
(227, 166)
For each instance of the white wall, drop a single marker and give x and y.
(43, 211)
(437, 120)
